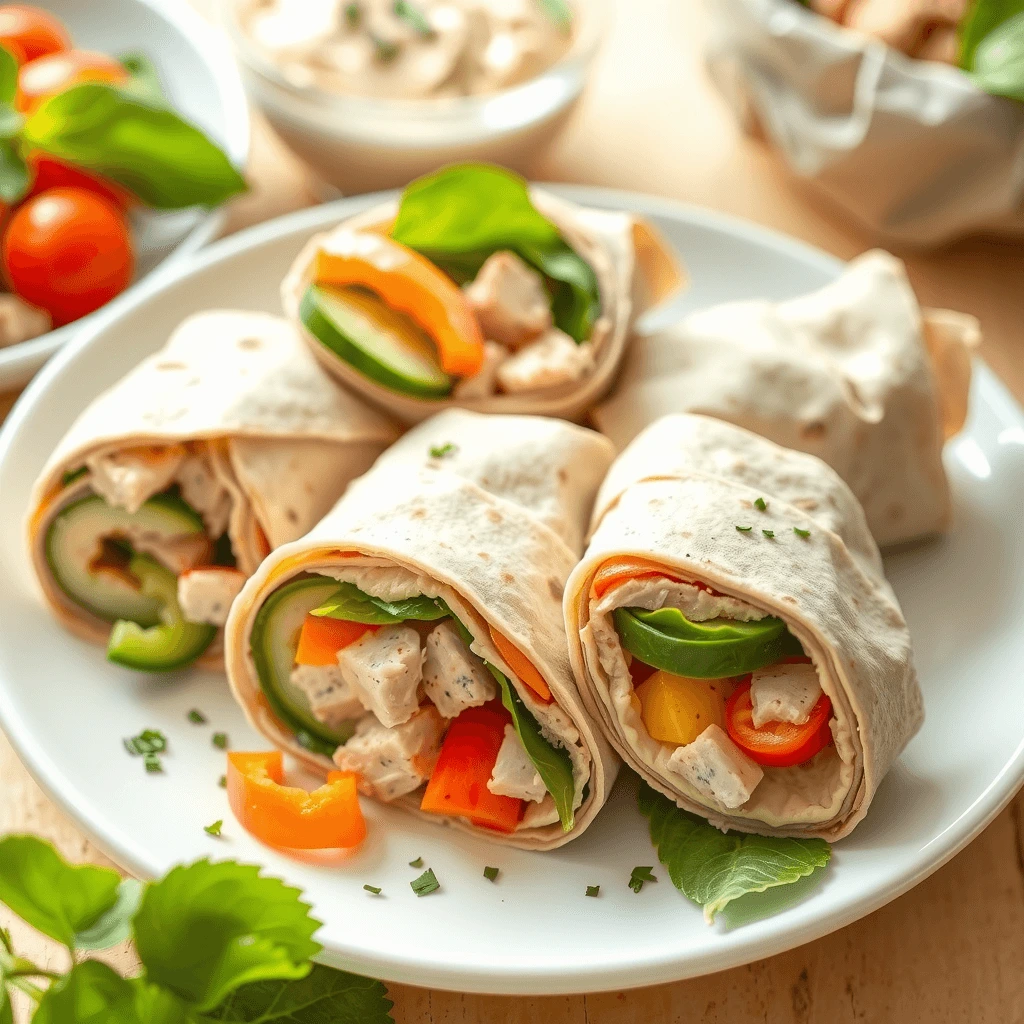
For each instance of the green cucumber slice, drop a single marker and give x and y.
(76, 534)
(174, 643)
(715, 649)
(274, 640)
(348, 602)
(378, 341)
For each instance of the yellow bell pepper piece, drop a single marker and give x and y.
(677, 709)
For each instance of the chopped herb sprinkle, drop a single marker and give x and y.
(761, 505)
(801, 533)
(415, 18)
(153, 763)
(223, 782)
(770, 534)
(594, 890)
(385, 49)
(214, 829)
(639, 876)
(375, 889)
(744, 529)
(220, 740)
(425, 884)
(353, 15)
(417, 863)
(149, 741)
(439, 451)
(196, 717)
(491, 874)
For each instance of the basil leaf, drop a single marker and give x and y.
(144, 82)
(165, 161)
(92, 993)
(999, 60)
(553, 764)
(207, 929)
(56, 898)
(8, 75)
(115, 926)
(983, 18)
(14, 174)
(713, 868)
(559, 12)
(352, 605)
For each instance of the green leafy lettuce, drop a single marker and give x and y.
(463, 214)
(713, 868)
(352, 605)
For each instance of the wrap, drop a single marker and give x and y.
(235, 414)
(487, 514)
(683, 500)
(855, 373)
(912, 149)
(635, 270)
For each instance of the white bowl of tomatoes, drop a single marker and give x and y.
(123, 128)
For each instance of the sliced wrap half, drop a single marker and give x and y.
(177, 481)
(731, 628)
(415, 635)
(856, 373)
(474, 291)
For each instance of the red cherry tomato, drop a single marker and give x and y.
(49, 172)
(46, 76)
(776, 744)
(67, 251)
(29, 33)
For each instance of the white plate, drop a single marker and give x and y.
(197, 71)
(66, 709)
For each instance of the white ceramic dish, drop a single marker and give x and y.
(66, 709)
(198, 72)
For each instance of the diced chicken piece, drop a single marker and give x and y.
(552, 359)
(784, 693)
(514, 773)
(454, 678)
(206, 595)
(384, 669)
(330, 697)
(19, 321)
(129, 478)
(484, 382)
(509, 300)
(201, 489)
(717, 768)
(393, 762)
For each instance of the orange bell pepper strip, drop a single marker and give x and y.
(458, 784)
(410, 284)
(522, 666)
(619, 570)
(322, 637)
(287, 817)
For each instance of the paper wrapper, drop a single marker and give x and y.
(674, 497)
(494, 528)
(855, 373)
(283, 438)
(635, 269)
(910, 148)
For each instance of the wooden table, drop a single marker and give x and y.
(953, 948)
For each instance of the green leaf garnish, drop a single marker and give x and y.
(639, 875)
(593, 890)
(801, 533)
(414, 17)
(425, 884)
(91, 993)
(998, 60)
(152, 763)
(348, 602)
(149, 741)
(744, 529)
(58, 899)
(770, 534)
(983, 18)
(220, 740)
(417, 863)
(439, 451)
(207, 929)
(761, 505)
(713, 868)
(559, 12)
(214, 829)
(115, 925)
(196, 717)
(491, 874)
(375, 889)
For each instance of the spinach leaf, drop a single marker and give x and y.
(553, 764)
(713, 868)
(999, 60)
(352, 605)
(461, 215)
(982, 19)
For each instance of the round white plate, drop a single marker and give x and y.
(197, 71)
(534, 931)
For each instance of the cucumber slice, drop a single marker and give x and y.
(274, 640)
(715, 649)
(173, 643)
(75, 536)
(378, 341)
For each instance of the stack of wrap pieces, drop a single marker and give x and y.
(855, 373)
(683, 514)
(485, 515)
(635, 270)
(233, 418)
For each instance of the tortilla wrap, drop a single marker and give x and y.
(240, 390)
(635, 268)
(488, 528)
(855, 373)
(675, 497)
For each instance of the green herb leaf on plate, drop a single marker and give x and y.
(559, 12)
(149, 741)
(166, 162)
(439, 451)
(713, 868)
(196, 717)
(999, 60)
(215, 828)
(593, 890)
(425, 884)
(220, 740)
(770, 534)
(115, 925)
(801, 533)
(375, 889)
(206, 929)
(639, 875)
(744, 529)
(92, 993)
(417, 863)
(491, 874)
(59, 899)
(761, 505)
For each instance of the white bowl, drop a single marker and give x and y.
(359, 144)
(200, 78)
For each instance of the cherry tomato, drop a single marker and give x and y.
(49, 172)
(46, 76)
(29, 33)
(776, 744)
(67, 251)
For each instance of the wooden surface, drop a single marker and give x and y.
(952, 950)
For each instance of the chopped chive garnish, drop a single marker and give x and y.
(639, 876)
(196, 717)
(353, 15)
(593, 890)
(417, 863)
(801, 533)
(214, 829)
(491, 874)
(375, 889)
(744, 529)
(414, 17)
(439, 451)
(425, 884)
(770, 534)
(385, 49)
(220, 740)
(149, 741)
(761, 504)
(153, 763)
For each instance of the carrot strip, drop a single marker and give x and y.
(521, 666)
